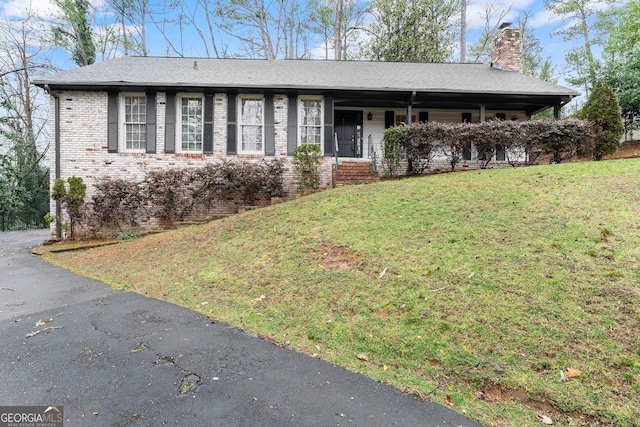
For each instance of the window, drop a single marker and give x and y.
(401, 119)
(134, 122)
(310, 128)
(191, 120)
(251, 124)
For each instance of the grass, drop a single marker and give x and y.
(473, 289)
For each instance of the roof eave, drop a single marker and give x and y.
(101, 85)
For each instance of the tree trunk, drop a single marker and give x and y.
(337, 31)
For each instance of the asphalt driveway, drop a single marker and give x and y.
(113, 358)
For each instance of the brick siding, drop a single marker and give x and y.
(83, 146)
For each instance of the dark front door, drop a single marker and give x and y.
(348, 127)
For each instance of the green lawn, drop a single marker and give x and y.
(473, 289)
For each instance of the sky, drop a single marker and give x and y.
(542, 22)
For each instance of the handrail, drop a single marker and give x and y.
(335, 141)
(372, 153)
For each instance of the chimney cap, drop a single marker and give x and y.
(505, 25)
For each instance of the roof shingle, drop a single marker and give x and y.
(306, 75)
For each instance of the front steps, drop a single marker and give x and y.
(354, 172)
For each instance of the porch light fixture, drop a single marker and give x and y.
(369, 115)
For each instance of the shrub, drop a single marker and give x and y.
(393, 144)
(118, 202)
(128, 235)
(177, 193)
(561, 139)
(274, 177)
(306, 166)
(603, 111)
(170, 194)
(419, 146)
(72, 199)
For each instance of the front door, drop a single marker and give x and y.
(348, 127)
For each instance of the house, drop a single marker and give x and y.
(134, 114)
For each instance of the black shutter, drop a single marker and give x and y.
(389, 119)
(151, 123)
(423, 116)
(207, 132)
(292, 125)
(170, 124)
(112, 122)
(269, 131)
(328, 126)
(231, 125)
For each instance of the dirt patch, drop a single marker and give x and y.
(627, 150)
(497, 393)
(331, 257)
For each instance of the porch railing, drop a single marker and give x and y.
(372, 154)
(335, 143)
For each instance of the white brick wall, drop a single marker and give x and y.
(83, 144)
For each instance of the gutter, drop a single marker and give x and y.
(57, 149)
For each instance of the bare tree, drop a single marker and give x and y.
(481, 50)
(268, 31)
(23, 114)
(463, 30)
(131, 18)
(337, 33)
(323, 19)
(579, 16)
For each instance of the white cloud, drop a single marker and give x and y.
(16, 9)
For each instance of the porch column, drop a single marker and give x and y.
(410, 107)
(557, 112)
(482, 113)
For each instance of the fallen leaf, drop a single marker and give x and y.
(546, 420)
(363, 356)
(43, 322)
(385, 367)
(260, 298)
(572, 373)
(448, 400)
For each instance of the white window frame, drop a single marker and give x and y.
(301, 117)
(401, 118)
(179, 141)
(241, 125)
(124, 123)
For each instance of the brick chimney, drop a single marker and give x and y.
(506, 49)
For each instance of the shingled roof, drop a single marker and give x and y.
(312, 75)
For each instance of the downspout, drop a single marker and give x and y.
(57, 149)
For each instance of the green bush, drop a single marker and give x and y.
(603, 111)
(71, 199)
(128, 235)
(394, 142)
(306, 166)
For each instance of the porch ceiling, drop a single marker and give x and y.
(529, 103)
